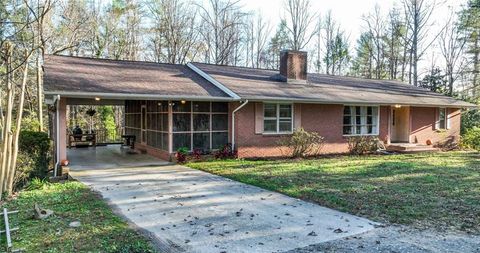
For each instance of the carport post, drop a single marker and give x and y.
(61, 132)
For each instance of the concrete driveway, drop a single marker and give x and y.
(193, 211)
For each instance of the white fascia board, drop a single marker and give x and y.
(134, 96)
(213, 81)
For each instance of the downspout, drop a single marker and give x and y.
(57, 146)
(233, 122)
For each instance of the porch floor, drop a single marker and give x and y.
(110, 156)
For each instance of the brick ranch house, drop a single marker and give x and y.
(204, 106)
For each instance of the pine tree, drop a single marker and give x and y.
(470, 25)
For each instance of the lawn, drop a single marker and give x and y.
(437, 190)
(100, 230)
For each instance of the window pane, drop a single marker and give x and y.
(219, 107)
(358, 130)
(201, 122)
(285, 111)
(270, 125)
(270, 110)
(358, 110)
(369, 120)
(358, 120)
(219, 140)
(369, 110)
(178, 106)
(181, 140)
(369, 129)
(347, 130)
(181, 122)
(346, 110)
(285, 125)
(201, 141)
(219, 122)
(201, 106)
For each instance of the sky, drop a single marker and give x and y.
(349, 14)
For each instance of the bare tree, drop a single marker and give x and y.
(451, 46)
(376, 26)
(256, 41)
(395, 41)
(222, 22)
(299, 22)
(175, 29)
(418, 14)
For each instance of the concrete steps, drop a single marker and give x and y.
(411, 148)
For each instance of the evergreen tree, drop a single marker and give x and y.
(280, 41)
(470, 25)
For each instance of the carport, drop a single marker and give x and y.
(159, 100)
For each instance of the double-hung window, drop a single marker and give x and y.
(277, 118)
(360, 120)
(442, 118)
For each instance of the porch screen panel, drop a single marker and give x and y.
(157, 124)
(200, 125)
(133, 118)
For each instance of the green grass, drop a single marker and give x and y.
(100, 231)
(440, 191)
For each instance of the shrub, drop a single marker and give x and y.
(471, 138)
(181, 155)
(226, 152)
(359, 145)
(470, 119)
(303, 143)
(197, 154)
(33, 156)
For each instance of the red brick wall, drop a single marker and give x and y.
(162, 154)
(327, 120)
(423, 126)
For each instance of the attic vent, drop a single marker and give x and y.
(293, 66)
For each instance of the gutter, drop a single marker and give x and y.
(57, 146)
(133, 96)
(233, 122)
(213, 81)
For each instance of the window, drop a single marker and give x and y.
(277, 118)
(360, 120)
(442, 116)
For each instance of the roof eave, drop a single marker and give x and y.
(137, 96)
(385, 103)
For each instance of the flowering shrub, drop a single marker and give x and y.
(225, 152)
(181, 155)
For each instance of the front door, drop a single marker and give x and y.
(144, 124)
(400, 124)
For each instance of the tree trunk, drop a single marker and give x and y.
(39, 93)
(8, 117)
(12, 168)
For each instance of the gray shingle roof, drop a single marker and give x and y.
(75, 75)
(262, 84)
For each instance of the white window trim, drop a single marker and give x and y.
(277, 118)
(446, 118)
(377, 132)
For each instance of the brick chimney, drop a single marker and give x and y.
(293, 66)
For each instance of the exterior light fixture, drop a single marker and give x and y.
(398, 106)
(97, 99)
(183, 102)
